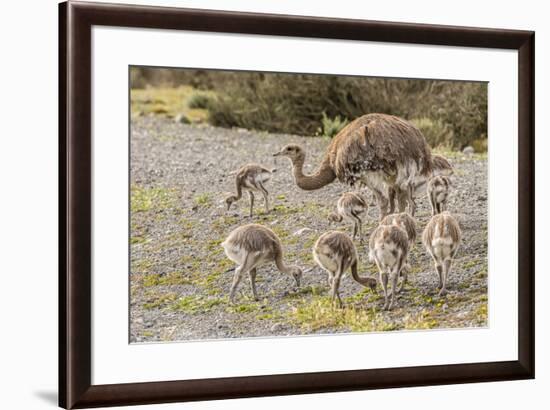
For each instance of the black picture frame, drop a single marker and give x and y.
(75, 195)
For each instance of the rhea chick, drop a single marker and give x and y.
(335, 253)
(438, 192)
(442, 238)
(440, 166)
(350, 206)
(251, 246)
(251, 178)
(389, 247)
(408, 224)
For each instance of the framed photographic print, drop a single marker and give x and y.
(257, 205)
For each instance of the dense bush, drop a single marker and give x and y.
(449, 113)
(331, 126)
(198, 100)
(437, 133)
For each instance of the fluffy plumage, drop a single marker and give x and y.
(251, 246)
(335, 252)
(442, 237)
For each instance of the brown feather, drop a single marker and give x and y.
(405, 221)
(377, 142)
(444, 224)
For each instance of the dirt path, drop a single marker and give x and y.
(180, 276)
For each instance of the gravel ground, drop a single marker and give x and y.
(180, 277)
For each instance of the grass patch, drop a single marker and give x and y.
(144, 199)
(202, 199)
(141, 266)
(314, 290)
(155, 302)
(243, 308)
(135, 240)
(168, 102)
(422, 320)
(319, 313)
(222, 224)
(169, 279)
(198, 100)
(195, 304)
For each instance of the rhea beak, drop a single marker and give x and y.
(277, 154)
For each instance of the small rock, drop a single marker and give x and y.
(277, 327)
(302, 231)
(468, 150)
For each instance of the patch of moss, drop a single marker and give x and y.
(155, 302)
(314, 290)
(203, 199)
(144, 199)
(421, 320)
(135, 240)
(243, 308)
(223, 223)
(169, 102)
(319, 313)
(195, 304)
(141, 266)
(281, 210)
(172, 278)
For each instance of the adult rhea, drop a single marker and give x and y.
(382, 151)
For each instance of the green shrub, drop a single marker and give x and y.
(437, 133)
(480, 145)
(198, 100)
(303, 103)
(331, 127)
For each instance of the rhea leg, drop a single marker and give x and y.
(357, 226)
(384, 283)
(252, 275)
(354, 228)
(335, 287)
(236, 279)
(439, 269)
(251, 196)
(410, 198)
(433, 204)
(382, 202)
(404, 278)
(391, 198)
(401, 199)
(446, 269)
(394, 277)
(266, 195)
(239, 272)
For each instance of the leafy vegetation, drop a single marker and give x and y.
(144, 199)
(450, 113)
(331, 126)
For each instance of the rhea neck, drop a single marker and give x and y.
(322, 176)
